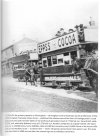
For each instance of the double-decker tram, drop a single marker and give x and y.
(22, 62)
(63, 58)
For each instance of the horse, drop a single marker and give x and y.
(90, 67)
(91, 70)
(27, 75)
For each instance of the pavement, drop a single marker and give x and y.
(11, 83)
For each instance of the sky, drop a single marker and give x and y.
(41, 19)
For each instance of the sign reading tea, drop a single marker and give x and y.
(58, 43)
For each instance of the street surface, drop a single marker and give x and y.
(17, 97)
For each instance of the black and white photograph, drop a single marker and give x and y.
(49, 56)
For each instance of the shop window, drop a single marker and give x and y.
(49, 61)
(54, 59)
(44, 63)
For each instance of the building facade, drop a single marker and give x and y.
(21, 47)
(24, 46)
(6, 60)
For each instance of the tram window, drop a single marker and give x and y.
(60, 60)
(82, 53)
(73, 54)
(54, 59)
(49, 61)
(66, 54)
(44, 63)
(66, 58)
(20, 66)
(66, 62)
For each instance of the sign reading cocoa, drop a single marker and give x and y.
(58, 43)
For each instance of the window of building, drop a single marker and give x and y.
(49, 61)
(54, 60)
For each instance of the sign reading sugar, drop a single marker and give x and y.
(58, 43)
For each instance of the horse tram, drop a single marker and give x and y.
(23, 64)
(68, 60)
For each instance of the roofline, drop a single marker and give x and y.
(24, 38)
(18, 42)
(7, 48)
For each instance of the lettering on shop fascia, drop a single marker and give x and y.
(58, 43)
